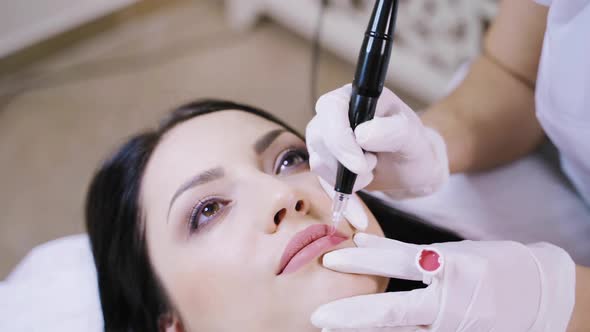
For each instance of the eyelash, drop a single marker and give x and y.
(298, 152)
(197, 212)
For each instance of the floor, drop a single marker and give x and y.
(67, 102)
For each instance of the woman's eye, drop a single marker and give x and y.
(291, 159)
(206, 211)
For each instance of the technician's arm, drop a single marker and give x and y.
(580, 319)
(489, 119)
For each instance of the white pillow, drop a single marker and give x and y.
(53, 288)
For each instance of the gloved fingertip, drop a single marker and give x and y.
(362, 133)
(371, 160)
(346, 88)
(320, 319)
(310, 130)
(356, 215)
(329, 259)
(334, 260)
(334, 101)
(361, 225)
(361, 239)
(314, 159)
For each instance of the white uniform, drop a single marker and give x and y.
(531, 200)
(563, 87)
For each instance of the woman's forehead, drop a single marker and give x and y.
(218, 130)
(208, 141)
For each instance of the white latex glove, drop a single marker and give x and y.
(479, 286)
(412, 159)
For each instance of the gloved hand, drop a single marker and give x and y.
(412, 159)
(479, 286)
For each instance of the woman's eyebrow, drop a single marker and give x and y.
(266, 140)
(199, 179)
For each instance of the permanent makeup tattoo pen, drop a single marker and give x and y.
(367, 85)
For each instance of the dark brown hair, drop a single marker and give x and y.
(131, 297)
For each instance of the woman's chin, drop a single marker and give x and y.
(315, 285)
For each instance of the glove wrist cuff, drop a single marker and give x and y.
(438, 168)
(439, 150)
(557, 273)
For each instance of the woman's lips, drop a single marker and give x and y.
(308, 244)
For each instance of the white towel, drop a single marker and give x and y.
(54, 288)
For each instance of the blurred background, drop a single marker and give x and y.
(78, 77)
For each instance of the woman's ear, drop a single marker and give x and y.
(170, 322)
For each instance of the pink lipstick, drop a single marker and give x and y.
(307, 245)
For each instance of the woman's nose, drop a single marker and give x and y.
(286, 202)
(292, 207)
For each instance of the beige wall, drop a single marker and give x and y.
(23, 22)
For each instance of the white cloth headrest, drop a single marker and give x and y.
(53, 288)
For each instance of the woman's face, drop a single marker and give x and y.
(223, 195)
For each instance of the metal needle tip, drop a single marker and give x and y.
(338, 208)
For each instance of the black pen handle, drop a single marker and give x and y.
(369, 77)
